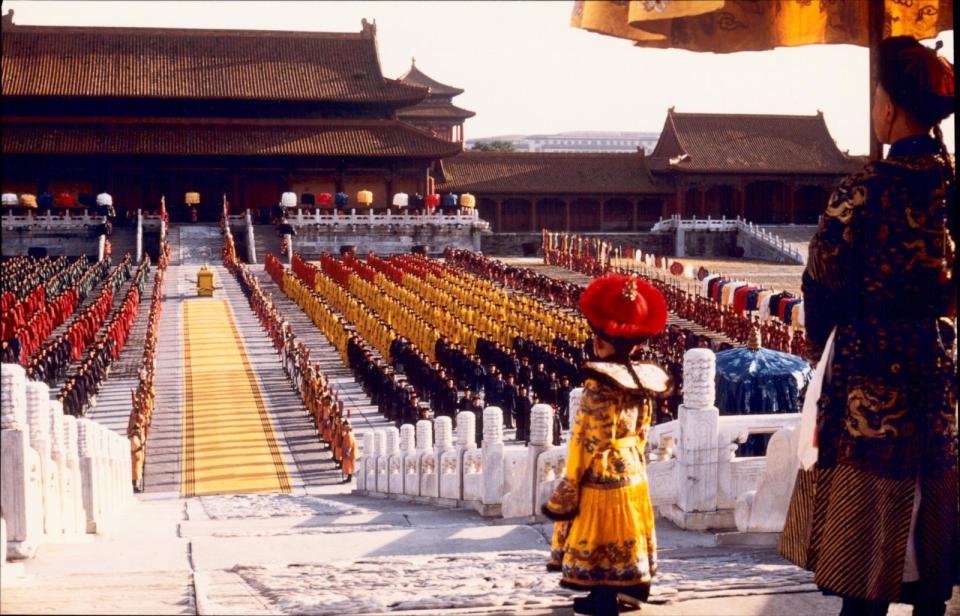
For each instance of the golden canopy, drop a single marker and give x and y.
(725, 26)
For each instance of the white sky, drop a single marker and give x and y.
(525, 70)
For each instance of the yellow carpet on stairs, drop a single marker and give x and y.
(229, 445)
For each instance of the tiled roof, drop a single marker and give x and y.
(219, 137)
(535, 172)
(198, 64)
(416, 77)
(428, 110)
(713, 142)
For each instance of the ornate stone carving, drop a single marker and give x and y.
(424, 435)
(444, 426)
(466, 429)
(699, 378)
(541, 425)
(492, 425)
(407, 435)
(38, 415)
(13, 397)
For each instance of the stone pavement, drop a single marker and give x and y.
(323, 553)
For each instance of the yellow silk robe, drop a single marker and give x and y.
(603, 531)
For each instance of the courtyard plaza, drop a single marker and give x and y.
(245, 513)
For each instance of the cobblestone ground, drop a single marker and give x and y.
(344, 554)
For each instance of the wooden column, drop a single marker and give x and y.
(388, 201)
(498, 218)
(791, 190)
(681, 194)
(601, 225)
(236, 204)
(742, 200)
(533, 216)
(633, 220)
(566, 214)
(874, 36)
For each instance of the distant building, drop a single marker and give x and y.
(777, 169)
(769, 169)
(579, 141)
(144, 112)
(436, 114)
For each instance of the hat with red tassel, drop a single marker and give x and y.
(625, 308)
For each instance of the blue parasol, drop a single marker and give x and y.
(752, 379)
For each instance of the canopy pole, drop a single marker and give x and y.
(875, 14)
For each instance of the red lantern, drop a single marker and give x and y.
(64, 200)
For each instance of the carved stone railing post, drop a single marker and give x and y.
(38, 416)
(541, 440)
(492, 494)
(466, 430)
(697, 462)
(466, 441)
(363, 456)
(251, 239)
(58, 456)
(72, 453)
(89, 475)
(428, 485)
(371, 452)
(21, 486)
(385, 468)
(139, 235)
(400, 474)
(448, 481)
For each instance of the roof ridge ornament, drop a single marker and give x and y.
(368, 28)
(8, 18)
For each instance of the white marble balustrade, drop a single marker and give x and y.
(695, 478)
(58, 475)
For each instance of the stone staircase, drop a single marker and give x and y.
(796, 236)
(267, 241)
(124, 240)
(196, 243)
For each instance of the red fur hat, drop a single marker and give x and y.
(624, 307)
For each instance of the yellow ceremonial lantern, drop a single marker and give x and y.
(468, 200)
(205, 282)
(365, 197)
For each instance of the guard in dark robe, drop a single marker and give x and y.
(876, 517)
(476, 406)
(563, 402)
(509, 401)
(523, 415)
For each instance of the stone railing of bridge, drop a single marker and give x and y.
(775, 243)
(696, 480)
(61, 475)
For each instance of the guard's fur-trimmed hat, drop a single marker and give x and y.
(623, 308)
